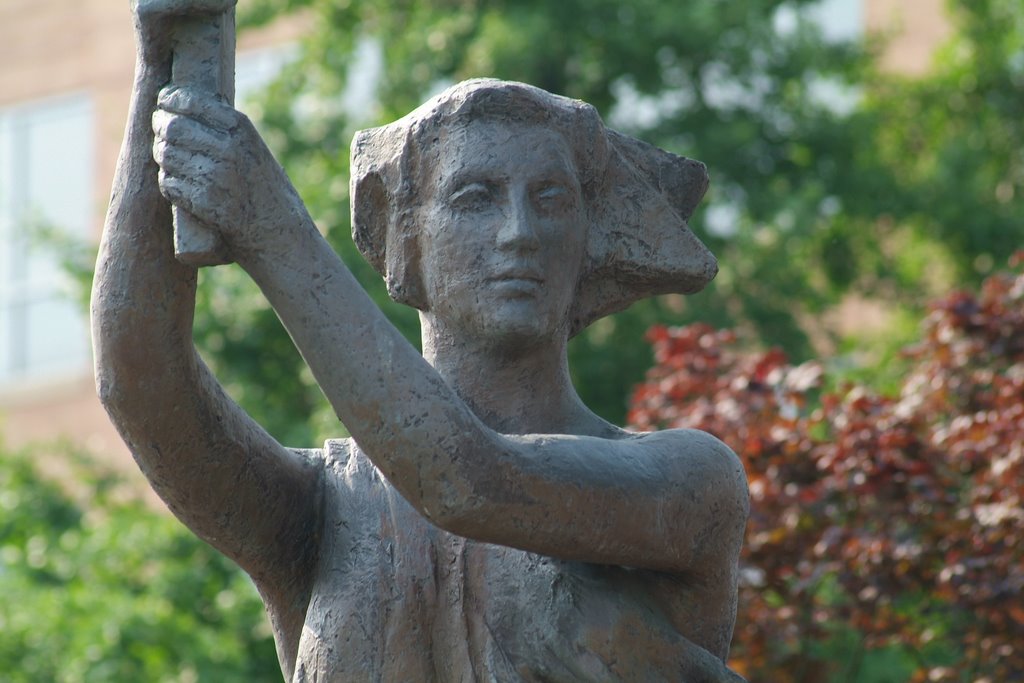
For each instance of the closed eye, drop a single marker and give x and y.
(554, 197)
(551, 192)
(472, 196)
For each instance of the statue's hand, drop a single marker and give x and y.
(214, 165)
(155, 21)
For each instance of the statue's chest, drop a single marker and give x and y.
(373, 614)
(398, 599)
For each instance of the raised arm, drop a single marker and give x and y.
(674, 502)
(218, 471)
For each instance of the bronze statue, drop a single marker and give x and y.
(481, 524)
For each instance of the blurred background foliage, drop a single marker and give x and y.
(97, 587)
(843, 198)
(837, 188)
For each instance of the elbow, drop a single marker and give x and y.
(114, 389)
(719, 507)
(105, 361)
(104, 370)
(731, 528)
(132, 380)
(726, 477)
(104, 388)
(111, 345)
(112, 393)
(110, 374)
(737, 488)
(733, 496)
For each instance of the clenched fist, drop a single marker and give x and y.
(214, 165)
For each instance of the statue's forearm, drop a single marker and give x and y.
(399, 410)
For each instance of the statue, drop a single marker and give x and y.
(482, 524)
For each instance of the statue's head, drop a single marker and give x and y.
(502, 202)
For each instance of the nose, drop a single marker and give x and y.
(519, 230)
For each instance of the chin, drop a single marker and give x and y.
(507, 322)
(522, 326)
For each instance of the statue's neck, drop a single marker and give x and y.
(513, 389)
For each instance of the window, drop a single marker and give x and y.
(839, 19)
(255, 69)
(46, 181)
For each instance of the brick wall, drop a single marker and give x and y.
(913, 28)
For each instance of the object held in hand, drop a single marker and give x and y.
(204, 59)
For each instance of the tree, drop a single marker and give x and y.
(97, 587)
(953, 140)
(809, 201)
(715, 81)
(884, 528)
(828, 177)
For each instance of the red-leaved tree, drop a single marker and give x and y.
(883, 521)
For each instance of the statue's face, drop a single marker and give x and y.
(503, 236)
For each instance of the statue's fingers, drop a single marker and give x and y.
(180, 191)
(188, 133)
(182, 162)
(207, 108)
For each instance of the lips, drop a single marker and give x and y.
(517, 281)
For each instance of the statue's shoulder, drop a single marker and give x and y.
(681, 438)
(691, 450)
(685, 440)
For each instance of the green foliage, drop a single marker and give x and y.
(828, 177)
(911, 184)
(715, 81)
(107, 590)
(953, 140)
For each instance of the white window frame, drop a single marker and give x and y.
(29, 279)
